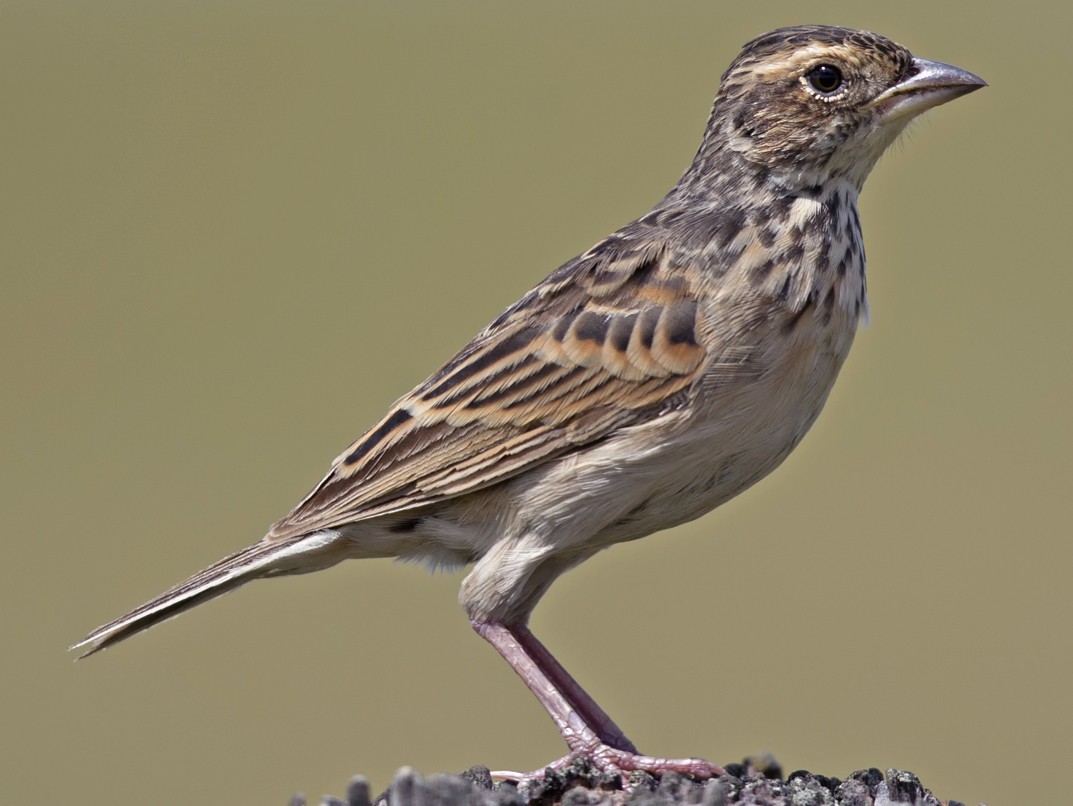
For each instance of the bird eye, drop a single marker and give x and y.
(824, 78)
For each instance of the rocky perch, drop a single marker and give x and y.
(757, 781)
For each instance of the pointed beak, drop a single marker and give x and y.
(927, 84)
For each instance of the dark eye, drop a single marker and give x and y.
(824, 78)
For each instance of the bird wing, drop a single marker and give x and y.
(608, 340)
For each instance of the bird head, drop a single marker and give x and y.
(813, 103)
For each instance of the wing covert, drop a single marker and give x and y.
(608, 340)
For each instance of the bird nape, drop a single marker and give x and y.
(640, 385)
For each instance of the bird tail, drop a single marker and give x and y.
(268, 558)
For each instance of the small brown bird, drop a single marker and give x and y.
(641, 384)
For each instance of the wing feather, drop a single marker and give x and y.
(606, 341)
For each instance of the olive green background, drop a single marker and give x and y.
(233, 233)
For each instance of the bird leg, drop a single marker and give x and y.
(587, 729)
(575, 713)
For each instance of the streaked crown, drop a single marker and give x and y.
(796, 101)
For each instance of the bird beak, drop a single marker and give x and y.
(928, 84)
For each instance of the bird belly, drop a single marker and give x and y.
(522, 534)
(737, 438)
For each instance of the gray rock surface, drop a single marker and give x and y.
(758, 781)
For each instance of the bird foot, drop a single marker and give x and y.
(612, 761)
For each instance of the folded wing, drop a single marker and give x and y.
(608, 340)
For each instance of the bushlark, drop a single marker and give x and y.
(641, 384)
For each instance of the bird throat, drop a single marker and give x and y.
(803, 249)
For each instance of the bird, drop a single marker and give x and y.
(640, 385)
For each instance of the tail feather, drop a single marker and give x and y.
(291, 556)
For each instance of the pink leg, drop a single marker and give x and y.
(577, 700)
(588, 731)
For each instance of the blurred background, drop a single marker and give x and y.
(233, 233)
